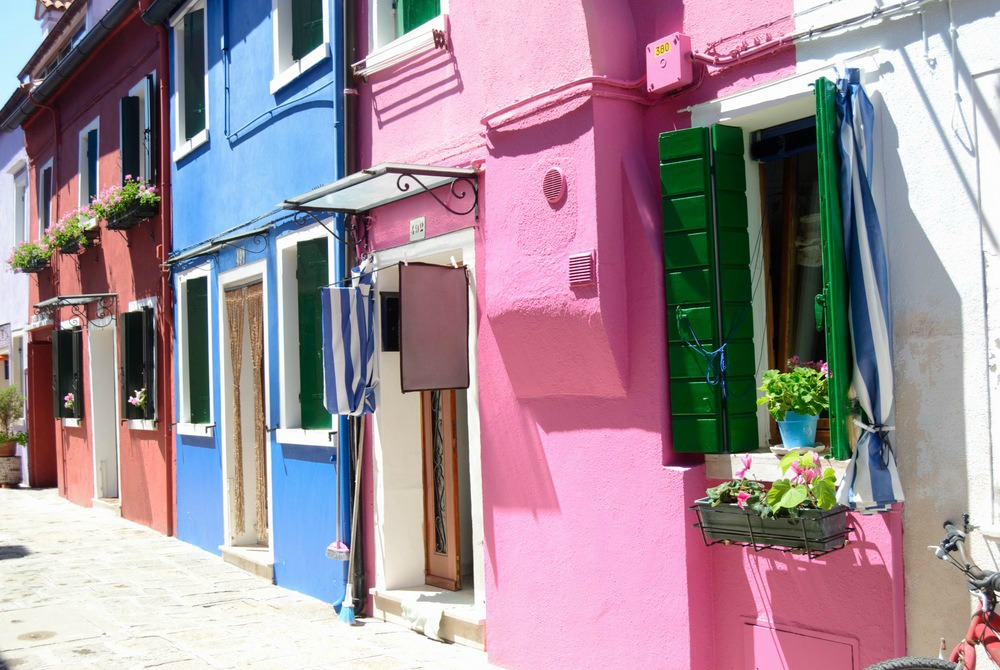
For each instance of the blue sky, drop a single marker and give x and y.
(20, 35)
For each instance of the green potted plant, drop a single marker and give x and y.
(124, 206)
(798, 511)
(795, 400)
(70, 234)
(11, 404)
(30, 257)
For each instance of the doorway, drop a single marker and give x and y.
(244, 401)
(103, 409)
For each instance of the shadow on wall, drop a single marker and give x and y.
(428, 80)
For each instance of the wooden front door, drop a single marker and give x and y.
(441, 524)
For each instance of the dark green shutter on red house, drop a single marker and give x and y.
(132, 353)
(199, 400)
(92, 155)
(312, 273)
(708, 290)
(832, 305)
(67, 371)
(412, 14)
(307, 27)
(130, 136)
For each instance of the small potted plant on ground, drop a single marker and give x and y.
(70, 234)
(798, 511)
(124, 206)
(795, 399)
(11, 404)
(30, 257)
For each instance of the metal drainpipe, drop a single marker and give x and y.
(166, 310)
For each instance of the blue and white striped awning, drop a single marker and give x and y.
(871, 481)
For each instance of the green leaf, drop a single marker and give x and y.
(778, 489)
(825, 492)
(794, 497)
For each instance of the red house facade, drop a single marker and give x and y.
(100, 344)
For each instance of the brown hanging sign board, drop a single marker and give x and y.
(433, 327)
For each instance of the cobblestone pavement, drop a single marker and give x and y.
(82, 589)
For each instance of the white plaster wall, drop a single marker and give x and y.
(13, 287)
(931, 194)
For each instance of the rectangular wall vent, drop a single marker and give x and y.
(581, 269)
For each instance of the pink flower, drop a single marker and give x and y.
(825, 369)
(747, 460)
(128, 177)
(810, 474)
(741, 499)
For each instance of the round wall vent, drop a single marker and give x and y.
(554, 185)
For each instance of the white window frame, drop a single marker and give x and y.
(146, 424)
(290, 429)
(386, 47)
(145, 128)
(286, 69)
(182, 147)
(22, 222)
(82, 184)
(41, 194)
(184, 424)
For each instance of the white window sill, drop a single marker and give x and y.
(196, 429)
(141, 424)
(316, 438)
(183, 149)
(407, 47)
(764, 467)
(71, 423)
(307, 62)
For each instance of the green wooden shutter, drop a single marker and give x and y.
(130, 136)
(194, 73)
(92, 154)
(307, 27)
(150, 132)
(132, 351)
(708, 290)
(833, 301)
(45, 206)
(57, 399)
(199, 401)
(76, 363)
(412, 14)
(312, 273)
(149, 361)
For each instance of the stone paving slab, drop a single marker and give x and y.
(82, 590)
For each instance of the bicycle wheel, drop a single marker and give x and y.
(915, 663)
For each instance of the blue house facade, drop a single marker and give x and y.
(256, 118)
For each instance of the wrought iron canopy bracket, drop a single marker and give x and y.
(106, 305)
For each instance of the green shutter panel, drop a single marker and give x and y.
(57, 402)
(130, 136)
(197, 347)
(92, 154)
(312, 274)
(412, 14)
(149, 361)
(307, 27)
(150, 133)
(834, 298)
(194, 73)
(708, 291)
(132, 349)
(76, 363)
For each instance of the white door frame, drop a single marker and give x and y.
(104, 333)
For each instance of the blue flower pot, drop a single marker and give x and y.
(798, 430)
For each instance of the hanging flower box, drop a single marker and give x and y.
(815, 531)
(30, 257)
(127, 205)
(134, 214)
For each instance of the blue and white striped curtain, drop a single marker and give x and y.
(349, 368)
(871, 482)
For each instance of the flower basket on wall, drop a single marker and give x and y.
(815, 531)
(34, 266)
(133, 215)
(30, 257)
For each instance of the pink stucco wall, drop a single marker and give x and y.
(590, 554)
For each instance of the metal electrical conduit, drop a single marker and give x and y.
(697, 57)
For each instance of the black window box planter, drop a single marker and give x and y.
(815, 532)
(130, 217)
(35, 267)
(72, 248)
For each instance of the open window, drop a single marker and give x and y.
(194, 327)
(44, 198)
(712, 285)
(190, 78)
(400, 30)
(138, 135)
(301, 37)
(67, 373)
(138, 372)
(87, 181)
(21, 220)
